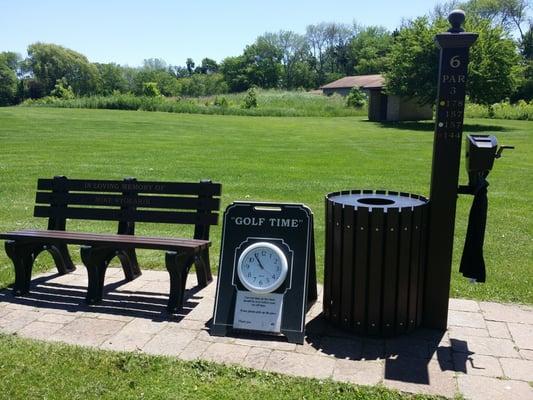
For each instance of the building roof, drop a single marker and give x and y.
(361, 81)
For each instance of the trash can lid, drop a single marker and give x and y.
(374, 200)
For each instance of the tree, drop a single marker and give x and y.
(130, 76)
(316, 39)
(12, 60)
(111, 78)
(190, 66)
(337, 38)
(9, 67)
(413, 62)
(526, 44)
(259, 65)
(508, 14)
(234, 71)
(303, 75)
(328, 44)
(525, 89)
(263, 63)
(155, 64)
(178, 71)
(368, 50)
(165, 82)
(208, 66)
(50, 62)
(294, 51)
(8, 84)
(494, 71)
(202, 85)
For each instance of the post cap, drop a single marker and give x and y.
(456, 19)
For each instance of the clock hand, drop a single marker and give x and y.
(261, 265)
(257, 258)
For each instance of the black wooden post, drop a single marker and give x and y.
(454, 48)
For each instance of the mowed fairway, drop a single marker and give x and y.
(263, 158)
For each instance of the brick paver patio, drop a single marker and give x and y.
(487, 353)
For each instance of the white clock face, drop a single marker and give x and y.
(262, 267)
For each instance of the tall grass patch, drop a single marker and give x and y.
(276, 103)
(522, 110)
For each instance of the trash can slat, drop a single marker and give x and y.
(361, 259)
(375, 271)
(413, 268)
(404, 259)
(328, 259)
(390, 270)
(336, 282)
(347, 267)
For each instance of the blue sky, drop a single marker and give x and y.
(127, 32)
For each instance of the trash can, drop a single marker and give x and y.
(374, 261)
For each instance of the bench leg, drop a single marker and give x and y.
(23, 256)
(178, 265)
(130, 266)
(61, 258)
(96, 260)
(203, 269)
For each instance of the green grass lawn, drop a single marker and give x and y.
(269, 159)
(36, 370)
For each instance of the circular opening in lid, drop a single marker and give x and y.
(376, 201)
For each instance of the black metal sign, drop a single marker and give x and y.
(267, 276)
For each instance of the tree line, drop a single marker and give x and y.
(501, 66)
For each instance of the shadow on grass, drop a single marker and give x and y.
(429, 126)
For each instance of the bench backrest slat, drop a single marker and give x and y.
(114, 200)
(103, 214)
(181, 188)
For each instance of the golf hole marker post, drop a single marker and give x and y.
(453, 70)
(267, 278)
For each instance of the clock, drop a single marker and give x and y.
(262, 267)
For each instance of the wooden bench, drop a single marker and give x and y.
(127, 202)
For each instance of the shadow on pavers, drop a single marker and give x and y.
(407, 357)
(129, 303)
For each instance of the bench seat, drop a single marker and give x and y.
(122, 241)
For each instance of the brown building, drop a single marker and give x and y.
(381, 106)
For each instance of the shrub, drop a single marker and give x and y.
(150, 89)
(220, 102)
(522, 110)
(62, 90)
(250, 101)
(356, 98)
(202, 85)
